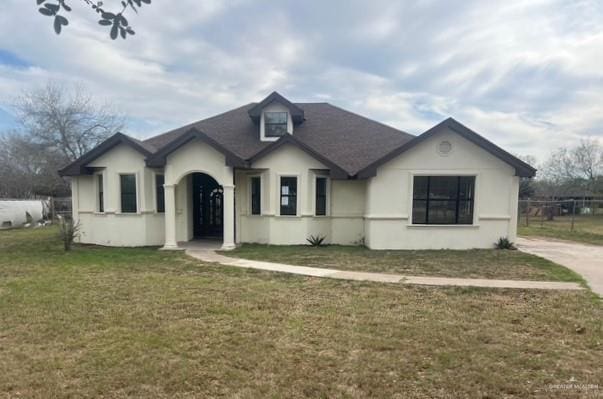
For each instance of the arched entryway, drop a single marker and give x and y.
(199, 208)
(208, 207)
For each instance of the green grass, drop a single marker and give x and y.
(475, 263)
(587, 229)
(102, 322)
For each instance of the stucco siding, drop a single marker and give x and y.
(388, 219)
(345, 203)
(111, 227)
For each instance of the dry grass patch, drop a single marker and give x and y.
(475, 263)
(145, 323)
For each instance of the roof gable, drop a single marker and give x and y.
(78, 167)
(336, 171)
(297, 114)
(522, 169)
(159, 158)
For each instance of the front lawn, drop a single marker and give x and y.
(475, 263)
(101, 322)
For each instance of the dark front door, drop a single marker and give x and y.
(208, 209)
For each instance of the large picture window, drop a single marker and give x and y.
(443, 199)
(275, 124)
(289, 196)
(101, 193)
(256, 195)
(128, 193)
(321, 196)
(160, 193)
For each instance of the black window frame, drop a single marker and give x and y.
(291, 208)
(128, 195)
(160, 193)
(320, 198)
(269, 125)
(255, 195)
(458, 199)
(101, 193)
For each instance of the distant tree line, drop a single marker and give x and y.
(575, 171)
(56, 125)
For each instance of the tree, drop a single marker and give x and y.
(118, 23)
(576, 169)
(526, 184)
(56, 126)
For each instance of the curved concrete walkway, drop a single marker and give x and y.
(586, 260)
(209, 255)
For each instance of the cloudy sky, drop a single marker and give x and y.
(526, 74)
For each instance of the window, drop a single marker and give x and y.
(289, 196)
(321, 196)
(101, 194)
(256, 195)
(275, 124)
(128, 193)
(160, 193)
(443, 199)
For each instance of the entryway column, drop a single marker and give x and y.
(229, 232)
(170, 217)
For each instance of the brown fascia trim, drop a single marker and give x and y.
(297, 114)
(158, 159)
(522, 169)
(78, 167)
(336, 172)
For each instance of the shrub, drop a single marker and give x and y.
(68, 231)
(504, 243)
(316, 241)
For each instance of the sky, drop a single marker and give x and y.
(527, 75)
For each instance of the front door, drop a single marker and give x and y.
(208, 207)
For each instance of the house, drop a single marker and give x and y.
(276, 172)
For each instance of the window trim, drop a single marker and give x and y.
(297, 195)
(156, 190)
(451, 173)
(286, 123)
(98, 208)
(327, 195)
(137, 191)
(250, 189)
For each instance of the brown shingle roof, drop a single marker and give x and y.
(347, 139)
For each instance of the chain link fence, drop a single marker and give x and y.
(580, 215)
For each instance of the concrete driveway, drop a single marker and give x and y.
(586, 260)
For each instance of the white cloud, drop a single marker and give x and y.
(526, 74)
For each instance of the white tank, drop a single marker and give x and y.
(14, 213)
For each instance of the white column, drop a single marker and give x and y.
(170, 217)
(229, 235)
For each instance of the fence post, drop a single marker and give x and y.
(528, 214)
(52, 214)
(542, 210)
(573, 214)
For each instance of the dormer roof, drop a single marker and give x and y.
(297, 114)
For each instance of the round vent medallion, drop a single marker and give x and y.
(444, 148)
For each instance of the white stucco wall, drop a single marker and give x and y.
(112, 227)
(342, 225)
(389, 198)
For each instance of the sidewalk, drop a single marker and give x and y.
(213, 257)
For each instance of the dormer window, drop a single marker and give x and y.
(275, 124)
(275, 117)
